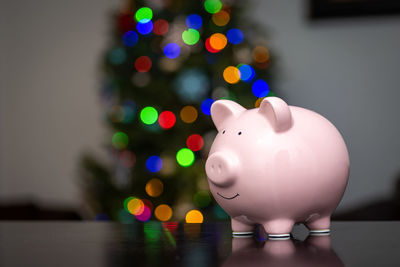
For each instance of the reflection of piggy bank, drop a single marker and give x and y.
(315, 251)
(276, 165)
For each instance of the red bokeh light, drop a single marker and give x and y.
(125, 22)
(209, 47)
(160, 27)
(166, 119)
(148, 203)
(195, 142)
(143, 64)
(171, 226)
(127, 159)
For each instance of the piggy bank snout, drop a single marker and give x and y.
(221, 168)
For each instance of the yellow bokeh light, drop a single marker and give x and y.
(218, 41)
(189, 114)
(154, 187)
(221, 18)
(258, 102)
(135, 206)
(260, 54)
(194, 216)
(163, 212)
(231, 75)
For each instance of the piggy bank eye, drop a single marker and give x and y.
(223, 131)
(239, 133)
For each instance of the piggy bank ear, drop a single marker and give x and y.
(223, 109)
(277, 113)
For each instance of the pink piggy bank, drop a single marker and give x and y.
(276, 165)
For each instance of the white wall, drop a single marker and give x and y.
(348, 70)
(50, 110)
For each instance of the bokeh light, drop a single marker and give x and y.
(129, 109)
(154, 187)
(149, 115)
(148, 203)
(143, 64)
(194, 21)
(260, 54)
(135, 206)
(190, 36)
(144, 14)
(154, 164)
(126, 201)
(166, 119)
(171, 226)
(202, 199)
(144, 27)
(260, 88)
(185, 157)
(160, 27)
(141, 79)
(172, 50)
(127, 159)
(246, 72)
(145, 215)
(120, 140)
(235, 36)
(117, 56)
(220, 213)
(169, 166)
(191, 85)
(218, 41)
(194, 216)
(221, 18)
(195, 142)
(209, 47)
(130, 38)
(163, 212)
(212, 6)
(231, 75)
(206, 106)
(188, 114)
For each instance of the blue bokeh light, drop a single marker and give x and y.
(194, 21)
(260, 88)
(144, 26)
(191, 85)
(172, 50)
(235, 36)
(206, 106)
(130, 38)
(246, 72)
(154, 163)
(130, 109)
(117, 56)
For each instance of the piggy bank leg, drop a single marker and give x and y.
(241, 229)
(278, 229)
(319, 226)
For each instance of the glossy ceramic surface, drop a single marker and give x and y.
(276, 165)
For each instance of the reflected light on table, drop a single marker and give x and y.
(314, 251)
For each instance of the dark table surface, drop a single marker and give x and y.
(209, 244)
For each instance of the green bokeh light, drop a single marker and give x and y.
(202, 199)
(185, 157)
(149, 115)
(212, 6)
(144, 13)
(120, 140)
(126, 201)
(190, 36)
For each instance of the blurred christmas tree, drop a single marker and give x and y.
(167, 62)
